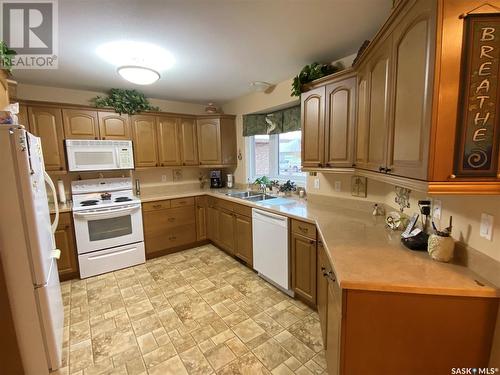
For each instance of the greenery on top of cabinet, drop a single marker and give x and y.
(310, 73)
(124, 101)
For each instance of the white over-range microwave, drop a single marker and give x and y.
(99, 155)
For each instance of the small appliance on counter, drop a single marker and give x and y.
(416, 238)
(230, 180)
(215, 179)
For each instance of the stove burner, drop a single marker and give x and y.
(123, 199)
(91, 202)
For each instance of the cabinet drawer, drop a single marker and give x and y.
(241, 209)
(304, 229)
(181, 202)
(158, 205)
(226, 205)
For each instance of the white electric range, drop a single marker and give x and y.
(108, 225)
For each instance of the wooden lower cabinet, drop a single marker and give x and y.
(304, 263)
(243, 243)
(333, 326)
(65, 241)
(226, 230)
(168, 228)
(201, 218)
(322, 291)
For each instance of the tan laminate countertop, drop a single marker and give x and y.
(364, 253)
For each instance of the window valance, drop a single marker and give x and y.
(282, 121)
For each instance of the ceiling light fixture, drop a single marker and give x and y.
(260, 86)
(138, 74)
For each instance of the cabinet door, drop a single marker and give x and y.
(228, 141)
(22, 116)
(80, 124)
(188, 141)
(46, 123)
(408, 148)
(304, 268)
(114, 126)
(213, 224)
(362, 129)
(145, 141)
(313, 127)
(201, 218)
(379, 107)
(168, 141)
(209, 146)
(340, 123)
(67, 264)
(333, 329)
(322, 283)
(226, 230)
(243, 239)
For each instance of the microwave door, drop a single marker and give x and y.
(91, 159)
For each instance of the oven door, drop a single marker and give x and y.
(104, 228)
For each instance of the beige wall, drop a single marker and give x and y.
(70, 96)
(276, 97)
(466, 210)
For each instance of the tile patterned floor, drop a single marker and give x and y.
(194, 312)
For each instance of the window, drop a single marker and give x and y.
(277, 156)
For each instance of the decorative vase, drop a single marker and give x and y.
(440, 247)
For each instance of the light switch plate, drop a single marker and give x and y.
(316, 183)
(338, 186)
(436, 210)
(486, 228)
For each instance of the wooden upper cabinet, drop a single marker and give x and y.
(144, 135)
(47, 123)
(228, 140)
(209, 144)
(168, 141)
(379, 108)
(80, 124)
(408, 147)
(340, 123)
(188, 141)
(313, 127)
(114, 126)
(362, 130)
(22, 116)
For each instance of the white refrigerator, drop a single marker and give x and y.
(27, 251)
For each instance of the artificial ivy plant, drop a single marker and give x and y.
(310, 73)
(124, 101)
(6, 55)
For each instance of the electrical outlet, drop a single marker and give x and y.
(486, 228)
(316, 183)
(436, 210)
(163, 178)
(338, 186)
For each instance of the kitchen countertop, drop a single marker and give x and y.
(363, 252)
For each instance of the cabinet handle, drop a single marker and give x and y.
(328, 165)
(387, 170)
(156, 205)
(61, 168)
(381, 169)
(353, 164)
(312, 242)
(95, 138)
(452, 176)
(103, 137)
(302, 229)
(171, 219)
(320, 165)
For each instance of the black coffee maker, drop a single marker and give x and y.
(215, 179)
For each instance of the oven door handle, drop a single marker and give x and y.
(107, 214)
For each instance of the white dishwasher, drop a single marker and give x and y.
(270, 248)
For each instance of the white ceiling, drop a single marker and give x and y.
(220, 46)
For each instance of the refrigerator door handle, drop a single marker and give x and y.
(49, 182)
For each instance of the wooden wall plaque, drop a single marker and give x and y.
(479, 103)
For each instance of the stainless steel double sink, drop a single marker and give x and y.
(252, 196)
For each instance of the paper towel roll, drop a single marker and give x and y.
(61, 191)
